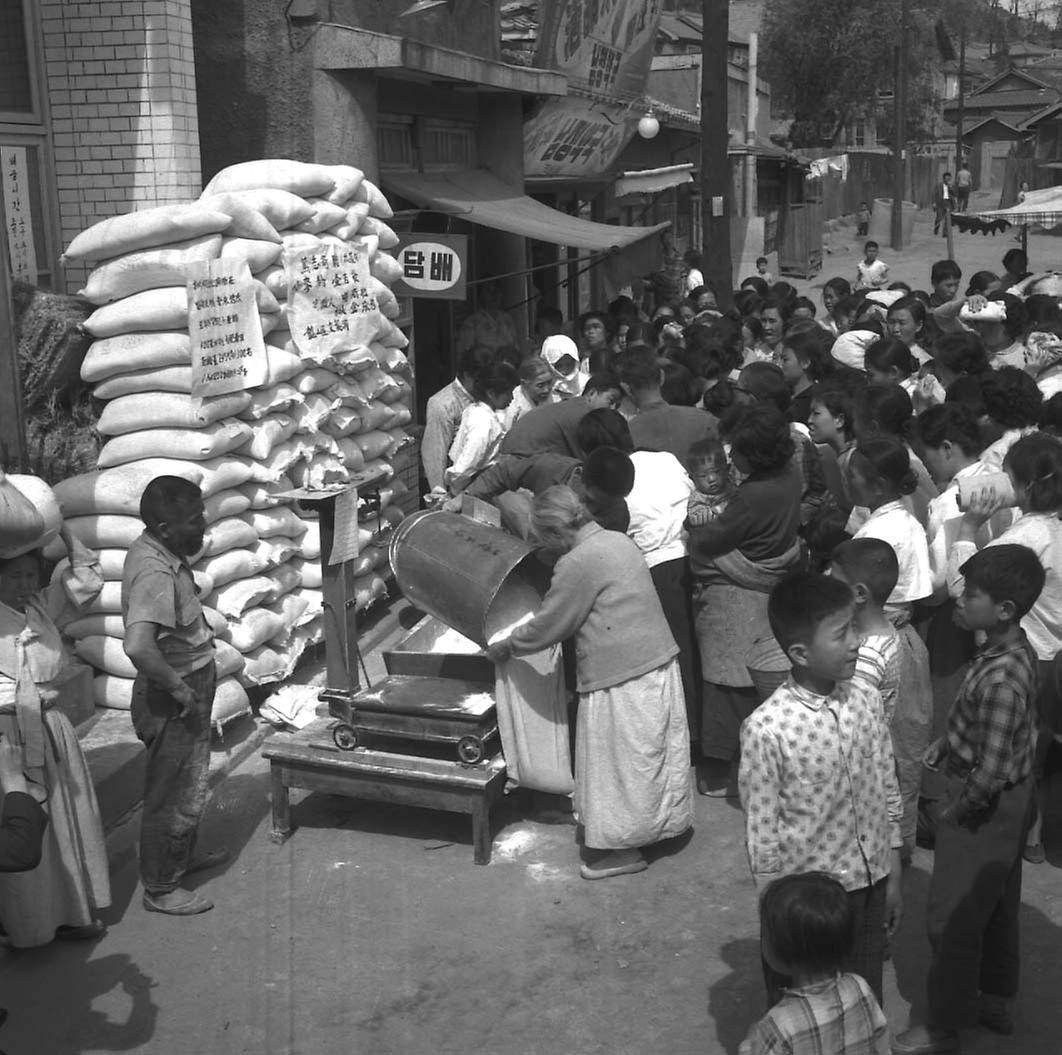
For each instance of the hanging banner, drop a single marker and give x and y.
(605, 47)
(433, 266)
(331, 306)
(19, 233)
(228, 351)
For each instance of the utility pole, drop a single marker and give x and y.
(899, 183)
(962, 94)
(12, 427)
(715, 162)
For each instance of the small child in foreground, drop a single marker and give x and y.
(817, 777)
(986, 756)
(807, 929)
(709, 470)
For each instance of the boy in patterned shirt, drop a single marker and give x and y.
(986, 756)
(817, 777)
(807, 928)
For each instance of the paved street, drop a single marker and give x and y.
(371, 931)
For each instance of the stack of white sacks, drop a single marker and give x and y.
(313, 423)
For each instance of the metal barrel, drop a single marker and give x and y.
(462, 572)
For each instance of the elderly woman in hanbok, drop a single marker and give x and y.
(632, 779)
(62, 895)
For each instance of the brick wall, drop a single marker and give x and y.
(121, 86)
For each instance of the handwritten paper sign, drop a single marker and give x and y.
(228, 351)
(331, 306)
(345, 532)
(20, 245)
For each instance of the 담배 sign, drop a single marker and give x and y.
(331, 306)
(433, 266)
(19, 233)
(228, 351)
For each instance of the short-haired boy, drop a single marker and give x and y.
(807, 930)
(762, 269)
(986, 757)
(893, 661)
(871, 272)
(862, 220)
(817, 778)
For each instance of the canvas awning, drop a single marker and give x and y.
(480, 197)
(653, 181)
(1041, 207)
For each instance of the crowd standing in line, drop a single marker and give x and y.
(848, 519)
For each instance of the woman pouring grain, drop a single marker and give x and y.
(632, 780)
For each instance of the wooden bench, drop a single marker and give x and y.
(309, 759)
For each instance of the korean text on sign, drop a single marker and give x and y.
(331, 305)
(19, 223)
(228, 352)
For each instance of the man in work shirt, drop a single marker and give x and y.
(172, 647)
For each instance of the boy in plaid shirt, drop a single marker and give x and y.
(808, 928)
(986, 757)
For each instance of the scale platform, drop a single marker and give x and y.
(417, 708)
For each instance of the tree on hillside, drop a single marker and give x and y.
(826, 60)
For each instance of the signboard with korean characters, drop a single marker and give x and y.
(21, 248)
(434, 266)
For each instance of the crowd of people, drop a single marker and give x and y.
(847, 556)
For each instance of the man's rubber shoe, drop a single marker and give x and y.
(86, 932)
(192, 906)
(1034, 853)
(921, 1040)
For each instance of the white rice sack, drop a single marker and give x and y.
(218, 624)
(369, 242)
(349, 227)
(264, 495)
(402, 416)
(234, 598)
(281, 520)
(107, 602)
(276, 280)
(148, 269)
(292, 608)
(257, 252)
(106, 530)
(325, 215)
(348, 180)
(195, 445)
(160, 379)
(378, 468)
(105, 654)
(375, 416)
(204, 584)
(111, 561)
(351, 361)
(131, 352)
(144, 229)
(347, 392)
(310, 546)
(264, 664)
(254, 628)
(228, 662)
(285, 579)
(315, 379)
(320, 472)
(276, 551)
(278, 462)
(297, 177)
(100, 625)
(230, 702)
(369, 193)
(233, 564)
(371, 225)
(270, 322)
(386, 300)
(343, 421)
(314, 604)
(247, 221)
(374, 444)
(313, 412)
(111, 693)
(351, 454)
(154, 309)
(401, 392)
(391, 335)
(282, 364)
(368, 590)
(112, 490)
(231, 533)
(385, 268)
(399, 439)
(309, 572)
(271, 430)
(266, 401)
(374, 383)
(393, 360)
(370, 559)
(299, 241)
(167, 410)
(229, 503)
